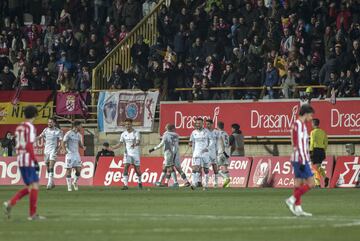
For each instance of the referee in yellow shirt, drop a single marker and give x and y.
(318, 145)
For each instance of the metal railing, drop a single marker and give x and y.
(147, 27)
(261, 89)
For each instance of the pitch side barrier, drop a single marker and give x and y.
(252, 172)
(264, 118)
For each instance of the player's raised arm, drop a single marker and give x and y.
(42, 135)
(161, 144)
(117, 146)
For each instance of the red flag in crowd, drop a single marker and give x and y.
(71, 103)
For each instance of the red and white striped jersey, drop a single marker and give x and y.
(25, 135)
(300, 142)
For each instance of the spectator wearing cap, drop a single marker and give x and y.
(105, 151)
(236, 140)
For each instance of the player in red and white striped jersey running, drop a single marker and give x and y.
(25, 134)
(300, 159)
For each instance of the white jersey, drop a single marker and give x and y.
(72, 140)
(170, 142)
(223, 142)
(51, 136)
(200, 141)
(213, 137)
(131, 139)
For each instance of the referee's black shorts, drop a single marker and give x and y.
(318, 156)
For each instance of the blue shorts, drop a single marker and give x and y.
(302, 174)
(29, 175)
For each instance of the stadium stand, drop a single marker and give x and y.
(202, 48)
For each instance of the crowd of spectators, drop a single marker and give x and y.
(275, 45)
(55, 44)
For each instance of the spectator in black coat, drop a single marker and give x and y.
(117, 78)
(8, 144)
(140, 52)
(132, 13)
(7, 79)
(196, 51)
(105, 151)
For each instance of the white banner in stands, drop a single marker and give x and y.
(114, 107)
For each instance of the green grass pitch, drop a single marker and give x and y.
(179, 215)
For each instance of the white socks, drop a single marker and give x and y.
(50, 179)
(68, 182)
(125, 180)
(173, 176)
(216, 179)
(162, 176)
(206, 180)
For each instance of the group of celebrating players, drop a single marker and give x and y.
(210, 148)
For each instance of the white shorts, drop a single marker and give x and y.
(222, 160)
(212, 159)
(50, 156)
(72, 160)
(168, 159)
(204, 162)
(133, 160)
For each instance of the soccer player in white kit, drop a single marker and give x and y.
(199, 141)
(212, 154)
(170, 144)
(223, 153)
(71, 143)
(131, 138)
(52, 137)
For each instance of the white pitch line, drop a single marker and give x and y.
(215, 217)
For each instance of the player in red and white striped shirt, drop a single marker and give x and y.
(25, 134)
(300, 158)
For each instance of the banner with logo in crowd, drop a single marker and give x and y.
(110, 170)
(12, 104)
(270, 171)
(10, 173)
(71, 103)
(347, 172)
(114, 107)
(263, 118)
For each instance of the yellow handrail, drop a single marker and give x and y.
(251, 88)
(147, 27)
